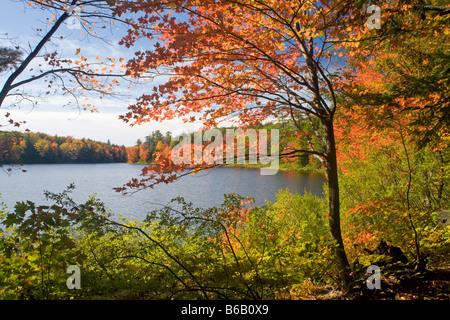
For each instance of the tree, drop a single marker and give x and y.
(133, 154)
(42, 146)
(401, 71)
(250, 60)
(72, 77)
(9, 58)
(398, 85)
(144, 153)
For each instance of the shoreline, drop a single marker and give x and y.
(243, 166)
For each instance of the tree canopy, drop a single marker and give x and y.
(364, 83)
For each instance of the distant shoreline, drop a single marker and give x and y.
(243, 166)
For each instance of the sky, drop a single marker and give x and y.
(18, 26)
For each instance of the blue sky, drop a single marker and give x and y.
(18, 24)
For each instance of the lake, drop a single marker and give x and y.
(203, 189)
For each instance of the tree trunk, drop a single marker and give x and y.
(334, 205)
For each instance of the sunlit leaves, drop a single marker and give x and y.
(399, 71)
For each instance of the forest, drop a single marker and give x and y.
(26, 148)
(39, 148)
(147, 151)
(359, 90)
(32, 148)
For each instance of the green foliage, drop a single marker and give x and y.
(35, 241)
(299, 235)
(232, 251)
(38, 243)
(394, 194)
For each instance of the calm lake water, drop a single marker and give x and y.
(203, 189)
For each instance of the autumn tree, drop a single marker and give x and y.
(144, 153)
(70, 77)
(245, 60)
(133, 154)
(398, 86)
(400, 71)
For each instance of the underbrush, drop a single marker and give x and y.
(234, 251)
